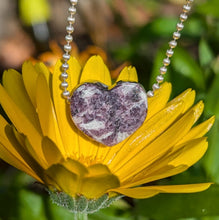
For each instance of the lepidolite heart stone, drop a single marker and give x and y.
(109, 116)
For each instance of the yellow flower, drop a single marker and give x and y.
(43, 141)
(50, 57)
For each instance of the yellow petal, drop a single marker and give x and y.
(128, 74)
(24, 155)
(98, 181)
(13, 84)
(14, 152)
(149, 191)
(62, 179)
(170, 164)
(145, 134)
(30, 75)
(88, 148)
(159, 146)
(159, 169)
(30, 147)
(20, 137)
(153, 175)
(199, 130)
(95, 187)
(75, 167)
(96, 70)
(66, 127)
(159, 100)
(22, 124)
(4, 139)
(198, 109)
(98, 169)
(15, 162)
(42, 68)
(187, 96)
(74, 72)
(46, 113)
(51, 151)
(196, 148)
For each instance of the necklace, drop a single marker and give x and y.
(110, 115)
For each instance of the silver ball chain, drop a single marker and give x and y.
(172, 44)
(68, 48)
(166, 61)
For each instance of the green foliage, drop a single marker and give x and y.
(205, 53)
(211, 162)
(195, 64)
(210, 7)
(184, 64)
(19, 202)
(172, 207)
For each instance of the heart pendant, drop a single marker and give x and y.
(109, 116)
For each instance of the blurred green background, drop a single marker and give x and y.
(137, 32)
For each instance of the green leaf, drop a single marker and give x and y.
(164, 26)
(211, 218)
(215, 65)
(31, 206)
(194, 27)
(58, 212)
(210, 7)
(212, 101)
(205, 53)
(184, 64)
(211, 162)
(119, 210)
(175, 206)
(158, 63)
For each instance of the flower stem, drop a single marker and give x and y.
(80, 216)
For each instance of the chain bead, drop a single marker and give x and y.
(172, 44)
(155, 86)
(65, 66)
(180, 26)
(183, 17)
(71, 20)
(74, 2)
(163, 70)
(67, 49)
(160, 78)
(66, 57)
(176, 35)
(166, 61)
(70, 29)
(66, 94)
(150, 93)
(170, 53)
(186, 8)
(64, 85)
(68, 38)
(64, 75)
(72, 10)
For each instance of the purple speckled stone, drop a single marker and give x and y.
(109, 116)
